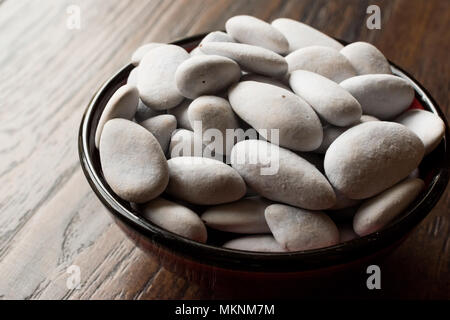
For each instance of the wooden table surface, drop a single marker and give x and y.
(49, 217)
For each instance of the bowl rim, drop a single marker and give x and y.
(298, 261)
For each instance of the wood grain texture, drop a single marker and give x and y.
(49, 217)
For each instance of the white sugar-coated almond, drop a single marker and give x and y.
(122, 104)
(297, 229)
(376, 213)
(300, 35)
(143, 112)
(371, 157)
(366, 58)
(161, 127)
(328, 99)
(427, 125)
(251, 30)
(204, 181)
(142, 51)
(217, 36)
(256, 243)
(206, 74)
(181, 113)
(381, 95)
(251, 58)
(263, 79)
(132, 161)
(266, 107)
(175, 218)
(325, 61)
(281, 175)
(156, 77)
(213, 113)
(330, 133)
(243, 216)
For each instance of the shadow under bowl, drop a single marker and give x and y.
(212, 265)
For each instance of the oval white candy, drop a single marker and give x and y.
(206, 74)
(366, 58)
(376, 213)
(204, 181)
(132, 161)
(175, 218)
(251, 58)
(266, 107)
(331, 133)
(281, 175)
(156, 77)
(298, 229)
(251, 30)
(213, 115)
(381, 95)
(371, 157)
(327, 98)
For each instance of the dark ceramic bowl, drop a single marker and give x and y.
(209, 262)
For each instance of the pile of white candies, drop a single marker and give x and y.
(344, 138)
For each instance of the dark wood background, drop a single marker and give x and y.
(49, 217)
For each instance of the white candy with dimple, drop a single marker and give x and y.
(251, 30)
(325, 61)
(206, 75)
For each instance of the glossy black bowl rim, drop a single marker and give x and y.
(265, 262)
